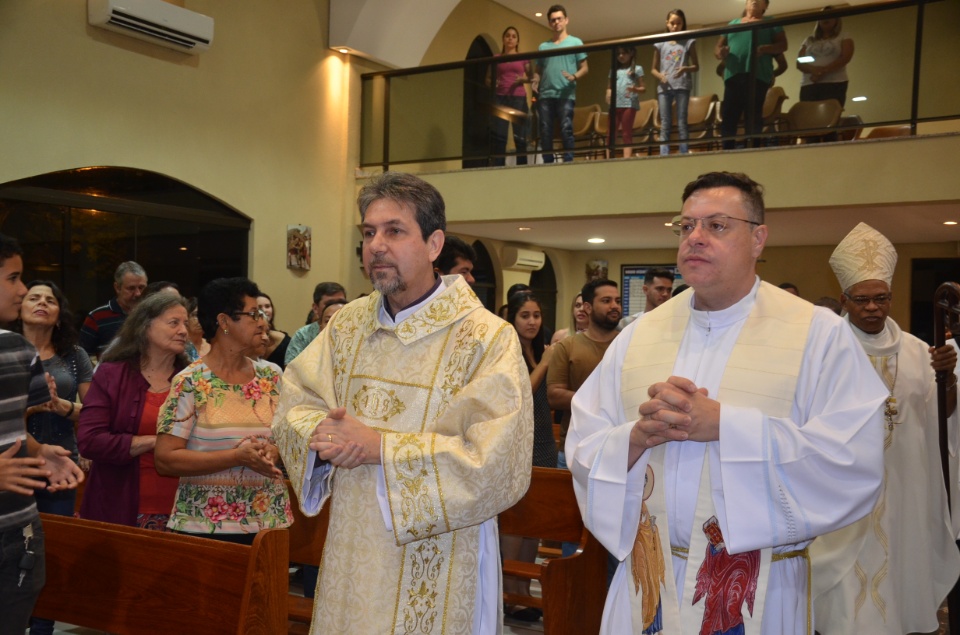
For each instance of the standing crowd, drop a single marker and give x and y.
(751, 462)
(749, 62)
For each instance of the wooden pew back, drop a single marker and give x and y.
(127, 580)
(307, 535)
(573, 588)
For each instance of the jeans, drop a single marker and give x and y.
(499, 126)
(60, 504)
(552, 108)
(666, 100)
(16, 601)
(736, 95)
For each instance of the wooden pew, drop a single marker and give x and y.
(307, 535)
(126, 580)
(573, 588)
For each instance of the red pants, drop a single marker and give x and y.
(625, 117)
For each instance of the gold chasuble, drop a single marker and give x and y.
(448, 390)
(722, 592)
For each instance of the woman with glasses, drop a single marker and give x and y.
(214, 429)
(118, 422)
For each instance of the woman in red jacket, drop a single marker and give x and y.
(118, 423)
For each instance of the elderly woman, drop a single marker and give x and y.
(214, 430)
(118, 422)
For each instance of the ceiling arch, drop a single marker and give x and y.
(392, 32)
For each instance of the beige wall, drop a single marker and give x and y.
(806, 267)
(266, 121)
(481, 17)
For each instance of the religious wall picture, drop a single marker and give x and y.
(597, 269)
(298, 247)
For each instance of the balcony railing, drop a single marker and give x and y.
(446, 115)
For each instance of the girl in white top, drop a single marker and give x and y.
(826, 76)
(673, 65)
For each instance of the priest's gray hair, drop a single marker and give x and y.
(407, 189)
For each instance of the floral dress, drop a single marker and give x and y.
(214, 415)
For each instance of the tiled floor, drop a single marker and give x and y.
(510, 627)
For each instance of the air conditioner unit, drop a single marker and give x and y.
(154, 21)
(523, 259)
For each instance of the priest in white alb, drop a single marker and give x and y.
(411, 415)
(888, 573)
(733, 424)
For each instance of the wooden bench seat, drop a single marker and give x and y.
(127, 580)
(573, 589)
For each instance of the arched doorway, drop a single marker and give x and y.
(476, 111)
(76, 226)
(544, 285)
(486, 278)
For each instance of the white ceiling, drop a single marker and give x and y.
(593, 20)
(823, 226)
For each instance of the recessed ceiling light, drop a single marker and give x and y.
(949, 222)
(668, 224)
(183, 249)
(596, 241)
(524, 229)
(539, 14)
(806, 59)
(860, 98)
(344, 51)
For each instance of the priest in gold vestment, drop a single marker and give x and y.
(410, 415)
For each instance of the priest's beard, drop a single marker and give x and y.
(387, 283)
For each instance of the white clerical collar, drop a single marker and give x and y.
(728, 316)
(403, 314)
(882, 344)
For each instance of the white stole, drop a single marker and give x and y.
(753, 377)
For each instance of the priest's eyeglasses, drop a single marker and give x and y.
(716, 224)
(880, 300)
(256, 314)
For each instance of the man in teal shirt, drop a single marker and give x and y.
(735, 51)
(556, 79)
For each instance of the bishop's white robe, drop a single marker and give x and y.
(775, 482)
(889, 572)
(412, 545)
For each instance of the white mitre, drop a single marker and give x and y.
(865, 254)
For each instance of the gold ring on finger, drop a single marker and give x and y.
(330, 438)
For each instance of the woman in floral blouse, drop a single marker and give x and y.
(214, 429)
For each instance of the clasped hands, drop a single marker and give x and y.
(677, 411)
(345, 441)
(259, 455)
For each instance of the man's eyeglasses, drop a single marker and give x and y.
(256, 314)
(716, 224)
(879, 300)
